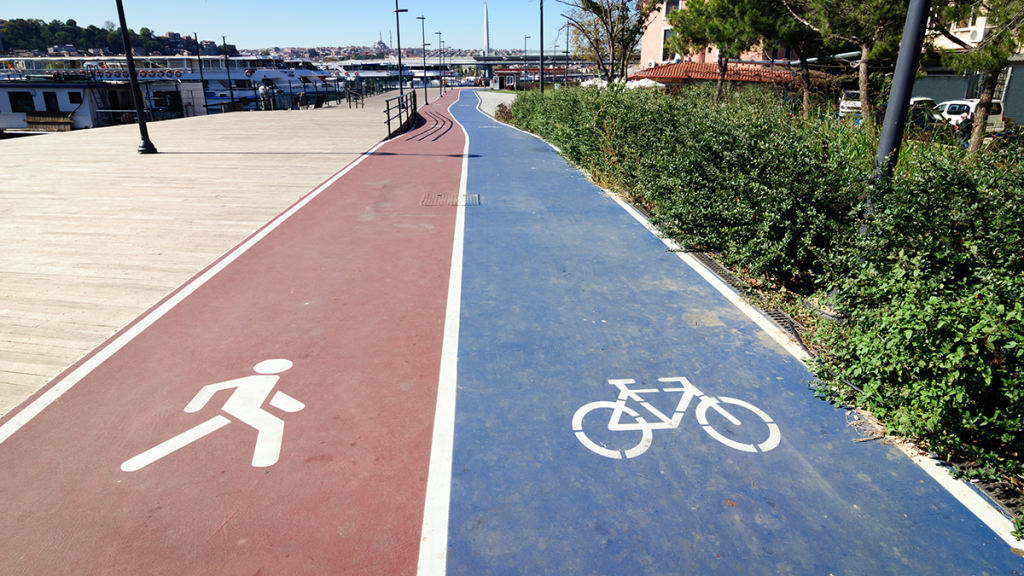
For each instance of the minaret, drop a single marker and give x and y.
(487, 33)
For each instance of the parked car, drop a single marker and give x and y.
(920, 119)
(953, 111)
(849, 103)
(922, 102)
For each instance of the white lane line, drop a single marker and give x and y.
(60, 388)
(433, 559)
(960, 490)
(761, 320)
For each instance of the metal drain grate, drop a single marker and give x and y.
(786, 322)
(721, 271)
(450, 200)
(643, 211)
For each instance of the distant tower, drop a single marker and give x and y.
(487, 33)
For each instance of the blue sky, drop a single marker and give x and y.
(262, 23)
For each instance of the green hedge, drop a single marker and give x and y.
(930, 293)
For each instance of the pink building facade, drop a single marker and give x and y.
(659, 30)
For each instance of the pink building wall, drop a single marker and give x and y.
(652, 42)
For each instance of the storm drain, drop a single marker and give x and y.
(786, 322)
(450, 200)
(721, 271)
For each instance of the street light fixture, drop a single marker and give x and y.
(145, 146)
(398, 34)
(423, 23)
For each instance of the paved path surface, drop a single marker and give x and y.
(382, 382)
(181, 450)
(489, 100)
(94, 234)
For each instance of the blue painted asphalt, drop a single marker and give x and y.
(562, 291)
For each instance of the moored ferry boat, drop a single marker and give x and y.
(64, 93)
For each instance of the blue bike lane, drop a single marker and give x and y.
(563, 291)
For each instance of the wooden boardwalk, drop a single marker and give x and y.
(93, 233)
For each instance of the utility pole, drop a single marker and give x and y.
(423, 23)
(145, 146)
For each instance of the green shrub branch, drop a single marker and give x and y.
(930, 284)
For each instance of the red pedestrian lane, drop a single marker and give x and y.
(312, 463)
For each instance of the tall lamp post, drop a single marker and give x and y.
(423, 23)
(895, 121)
(227, 68)
(440, 68)
(566, 52)
(202, 82)
(541, 46)
(145, 146)
(526, 68)
(398, 35)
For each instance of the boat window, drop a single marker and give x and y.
(21, 102)
(50, 99)
(75, 97)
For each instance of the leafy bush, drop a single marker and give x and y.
(742, 178)
(931, 291)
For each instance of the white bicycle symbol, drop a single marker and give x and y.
(690, 392)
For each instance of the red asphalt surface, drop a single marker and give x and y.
(352, 289)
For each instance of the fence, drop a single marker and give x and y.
(402, 111)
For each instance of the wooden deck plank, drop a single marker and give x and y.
(94, 233)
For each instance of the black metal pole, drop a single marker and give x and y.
(566, 52)
(423, 23)
(541, 46)
(202, 81)
(398, 35)
(145, 146)
(902, 88)
(227, 67)
(526, 67)
(440, 66)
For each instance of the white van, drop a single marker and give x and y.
(953, 111)
(849, 103)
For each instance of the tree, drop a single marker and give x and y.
(722, 23)
(874, 25)
(588, 37)
(612, 29)
(990, 56)
(778, 27)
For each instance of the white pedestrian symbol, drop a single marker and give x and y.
(245, 404)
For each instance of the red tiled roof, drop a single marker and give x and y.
(690, 71)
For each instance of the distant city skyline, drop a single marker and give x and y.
(262, 24)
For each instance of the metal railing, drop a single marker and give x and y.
(402, 111)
